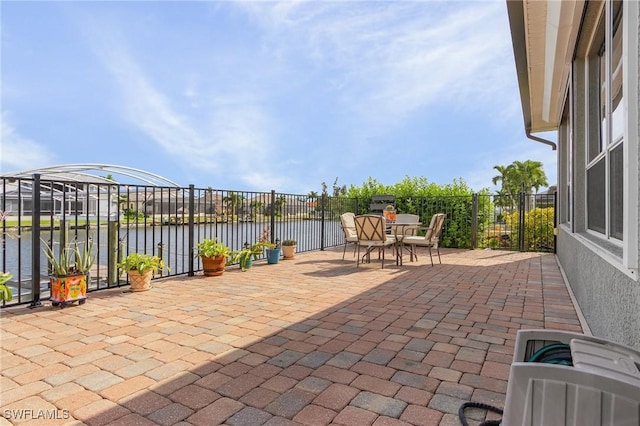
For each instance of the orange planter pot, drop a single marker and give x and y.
(68, 289)
(213, 266)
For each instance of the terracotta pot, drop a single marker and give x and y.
(213, 266)
(289, 252)
(140, 282)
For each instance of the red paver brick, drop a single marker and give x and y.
(235, 369)
(170, 414)
(129, 386)
(374, 384)
(297, 372)
(194, 397)
(438, 359)
(266, 371)
(213, 381)
(100, 412)
(314, 415)
(172, 384)
(336, 397)
(355, 416)
(361, 347)
(466, 367)
(375, 370)
(144, 402)
(259, 397)
(334, 374)
(279, 383)
(389, 421)
(414, 396)
(132, 419)
(495, 370)
(334, 346)
(476, 381)
(290, 403)
(419, 415)
(445, 374)
(239, 386)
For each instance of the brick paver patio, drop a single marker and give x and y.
(311, 341)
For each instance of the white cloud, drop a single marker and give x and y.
(232, 139)
(391, 58)
(18, 152)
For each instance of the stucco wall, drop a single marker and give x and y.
(607, 297)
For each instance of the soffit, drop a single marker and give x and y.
(544, 34)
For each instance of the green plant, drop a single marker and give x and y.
(244, 256)
(5, 290)
(289, 243)
(211, 247)
(75, 258)
(142, 263)
(538, 228)
(252, 251)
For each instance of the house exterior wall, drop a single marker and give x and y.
(602, 277)
(608, 298)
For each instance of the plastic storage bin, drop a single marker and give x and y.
(602, 387)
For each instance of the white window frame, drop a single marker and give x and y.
(630, 241)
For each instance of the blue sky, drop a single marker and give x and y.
(264, 95)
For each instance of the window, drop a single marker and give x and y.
(605, 153)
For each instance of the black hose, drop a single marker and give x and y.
(463, 417)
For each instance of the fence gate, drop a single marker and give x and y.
(524, 222)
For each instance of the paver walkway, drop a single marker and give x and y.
(312, 341)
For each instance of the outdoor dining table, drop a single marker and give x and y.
(399, 230)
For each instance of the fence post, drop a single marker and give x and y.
(555, 222)
(474, 221)
(112, 249)
(322, 218)
(35, 243)
(272, 222)
(521, 216)
(191, 229)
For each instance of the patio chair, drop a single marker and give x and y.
(407, 218)
(371, 231)
(431, 238)
(379, 202)
(349, 229)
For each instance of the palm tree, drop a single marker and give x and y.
(519, 176)
(233, 200)
(507, 191)
(279, 202)
(530, 174)
(255, 207)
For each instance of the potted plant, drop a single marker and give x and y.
(5, 291)
(214, 256)
(289, 249)
(247, 255)
(251, 252)
(69, 272)
(389, 213)
(273, 253)
(140, 269)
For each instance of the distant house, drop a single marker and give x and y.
(577, 67)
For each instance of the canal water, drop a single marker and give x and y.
(171, 242)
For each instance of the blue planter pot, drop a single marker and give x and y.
(273, 255)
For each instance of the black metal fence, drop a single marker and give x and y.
(170, 221)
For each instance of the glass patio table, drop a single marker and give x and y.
(399, 230)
